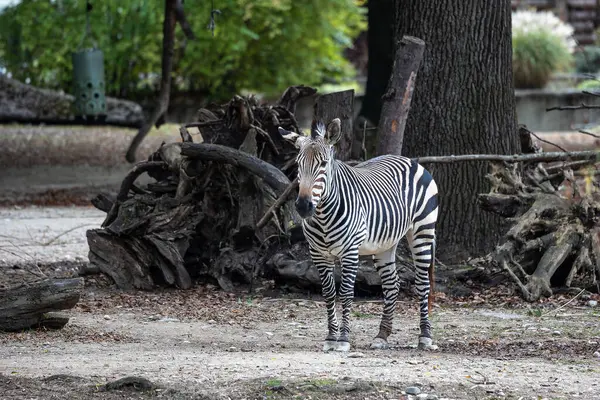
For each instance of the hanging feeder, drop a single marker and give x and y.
(88, 78)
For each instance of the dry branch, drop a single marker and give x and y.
(214, 152)
(537, 157)
(282, 199)
(126, 187)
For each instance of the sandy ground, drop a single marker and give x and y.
(204, 343)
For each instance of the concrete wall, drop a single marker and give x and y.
(531, 109)
(532, 105)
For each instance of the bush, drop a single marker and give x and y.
(542, 44)
(587, 61)
(259, 45)
(589, 84)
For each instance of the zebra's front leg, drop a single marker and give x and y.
(349, 269)
(385, 263)
(325, 268)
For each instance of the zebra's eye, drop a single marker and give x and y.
(323, 164)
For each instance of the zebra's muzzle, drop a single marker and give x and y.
(305, 207)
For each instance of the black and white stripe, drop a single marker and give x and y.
(365, 210)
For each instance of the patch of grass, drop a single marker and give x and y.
(273, 382)
(358, 314)
(534, 312)
(322, 382)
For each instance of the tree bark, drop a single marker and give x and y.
(463, 104)
(162, 102)
(380, 38)
(397, 99)
(25, 306)
(338, 105)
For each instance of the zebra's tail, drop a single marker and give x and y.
(431, 296)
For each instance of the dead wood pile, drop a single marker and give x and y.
(555, 210)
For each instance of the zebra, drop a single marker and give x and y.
(364, 210)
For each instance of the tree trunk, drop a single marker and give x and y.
(162, 102)
(463, 104)
(380, 37)
(338, 105)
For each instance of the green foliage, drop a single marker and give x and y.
(587, 61)
(536, 55)
(589, 84)
(259, 45)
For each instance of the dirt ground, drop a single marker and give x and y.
(206, 344)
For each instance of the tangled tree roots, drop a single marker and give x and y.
(555, 240)
(201, 216)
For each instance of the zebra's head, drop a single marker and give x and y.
(315, 157)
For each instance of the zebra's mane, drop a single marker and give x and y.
(317, 130)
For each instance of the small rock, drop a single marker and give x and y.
(107, 317)
(269, 334)
(232, 348)
(356, 355)
(422, 396)
(597, 354)
(212, 321)
(592, 303)
(169, 319)
(432, 397)
(556, 333)
(412, 390)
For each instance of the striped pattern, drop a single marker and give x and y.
(366, 210)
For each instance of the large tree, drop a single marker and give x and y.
(463, 103)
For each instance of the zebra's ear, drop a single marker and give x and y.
(334, 131)
(292, 137)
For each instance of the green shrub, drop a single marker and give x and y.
(542, 45)
(587, 61)
(259, 45)
(589, 84)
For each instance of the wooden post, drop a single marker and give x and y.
(338, 105)
(396, 101)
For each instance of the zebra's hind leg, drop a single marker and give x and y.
(385, 263)
(349, 269)
(325, 268)
(422, 245)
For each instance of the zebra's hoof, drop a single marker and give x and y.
(343, 346)
(379, 344)
(426, 343)
(329, 345)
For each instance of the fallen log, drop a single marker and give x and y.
(27, 104)
(29, 305)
